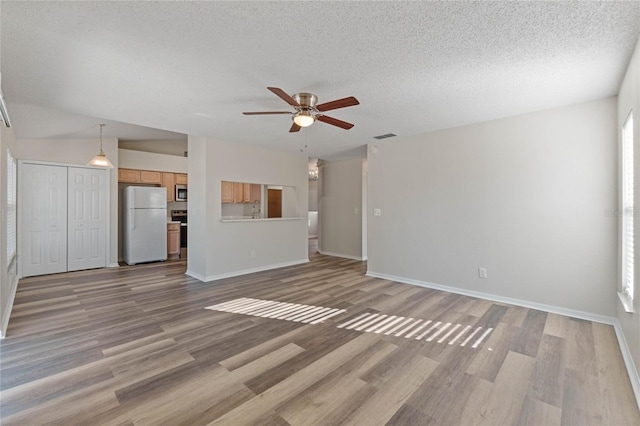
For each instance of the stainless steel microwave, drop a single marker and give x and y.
(181, 192)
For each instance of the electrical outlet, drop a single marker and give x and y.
(377, 212)
(253, 253)
(355, 211)
(482, 272)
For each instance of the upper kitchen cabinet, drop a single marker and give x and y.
(241, 193)
(150, 177)
(238, 192)
(169, 182)
(139, 176)
(256, 193)
(128, 176)
(181, 179)
(227, 192)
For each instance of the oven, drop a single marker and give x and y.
(181, 216)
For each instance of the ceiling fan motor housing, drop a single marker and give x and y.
(306, 100)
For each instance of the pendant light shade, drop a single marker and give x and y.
(101, 159)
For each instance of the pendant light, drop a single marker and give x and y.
(100, 160)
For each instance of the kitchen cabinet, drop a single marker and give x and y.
(238, 192)
(241, 193)
(150, 177)
(169, 182)
(227, 192)
(246, 192)
(256, 193)
(128, 176)
(181, 179)
(173, 239)
(153, 177)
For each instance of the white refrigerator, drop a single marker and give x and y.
(144, 224)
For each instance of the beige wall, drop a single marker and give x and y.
(220, 249)
(629, 100)
(131, 159)
(526, 197)
(175, 148)
(340, 208)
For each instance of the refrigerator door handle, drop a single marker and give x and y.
(132, 218)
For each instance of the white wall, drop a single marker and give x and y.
(525, 197)
(201, 203)
(79, 151)
(224, 248)
(340, 208)
(629, 99)
(8, 276)
(130, 159)
(313, 224)
(169, 147)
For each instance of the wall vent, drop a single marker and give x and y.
(388, 135)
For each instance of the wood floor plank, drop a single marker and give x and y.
(297, 382)
(581, 355)
(547, 383)
(582, 402)
(536, 413)
(528, 339)
(613, 377)
(504, 402)
(266, 362)
(325, 402)
(392, 392)
(487, 364)
(135, 345)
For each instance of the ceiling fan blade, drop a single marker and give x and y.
(334, 122)
(340, 103)
(294, 128)
(266, 112)
(283, 95)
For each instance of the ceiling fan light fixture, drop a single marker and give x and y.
(101, 159)
(304, 119)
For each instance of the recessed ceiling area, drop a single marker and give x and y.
(193, 67)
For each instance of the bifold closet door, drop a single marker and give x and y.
(87, 218)
(43, 219)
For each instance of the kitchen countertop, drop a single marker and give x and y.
(251, 219)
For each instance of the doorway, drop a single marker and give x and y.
(274, 203)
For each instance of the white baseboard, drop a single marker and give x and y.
(496, 298)
(344, 256)
(113, 265)
(7, 309)
(195, 275)
(209, 278)
(632, 371)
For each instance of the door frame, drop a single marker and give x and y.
(19, 208)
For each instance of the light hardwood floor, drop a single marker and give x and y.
(135, 345)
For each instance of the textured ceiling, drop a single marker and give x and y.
(193, 67)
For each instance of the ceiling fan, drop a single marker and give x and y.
(307, 111)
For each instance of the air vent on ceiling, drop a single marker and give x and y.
(388, 135)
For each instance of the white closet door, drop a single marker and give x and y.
(43, 218)
(87, 213)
